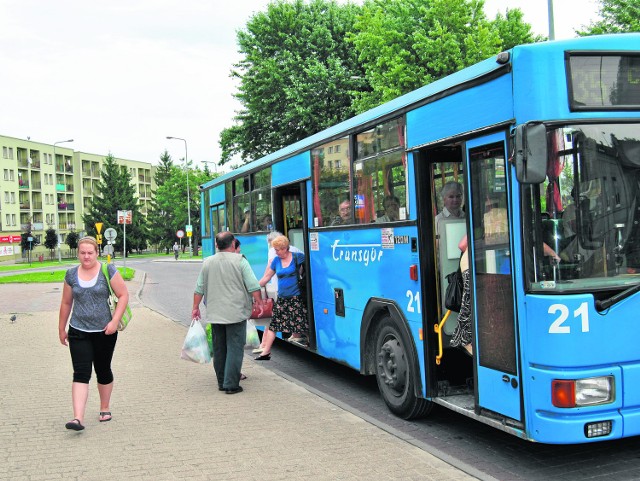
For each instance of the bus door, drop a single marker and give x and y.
(495, 347)
(290, 218)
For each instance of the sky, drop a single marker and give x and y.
(120, 76)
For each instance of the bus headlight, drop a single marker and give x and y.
(570, 393)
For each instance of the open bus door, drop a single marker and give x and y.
(290, 218)
(498, 385)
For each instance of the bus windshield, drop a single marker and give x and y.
(585, 217)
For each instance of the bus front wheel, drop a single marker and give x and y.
(394, 373)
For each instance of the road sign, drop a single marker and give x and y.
(124, 217)
(98, 227)
(108, 249)
(189, 233)
(99, 238)
(188, 228)
(180, 234)
(110, 234)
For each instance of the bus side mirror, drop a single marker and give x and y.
(531, 153)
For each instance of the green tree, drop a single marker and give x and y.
(616, 16)
(72, 240)
(296, 75)
(25, 245)
(196, 178)
(405, 44)
(161, 227)
(166, 215)
(171, 199)
(51, 240)
(115, 192)
(513, 30)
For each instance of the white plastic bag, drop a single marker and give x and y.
(196, 347)
(252, 335)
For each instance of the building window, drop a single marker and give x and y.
(13, 197)
(13, 219)
(6, 197)
(5, 152)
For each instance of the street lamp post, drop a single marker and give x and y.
(186, 164)
(215, 164)
(57, 203)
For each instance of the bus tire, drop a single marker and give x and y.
(395, 373)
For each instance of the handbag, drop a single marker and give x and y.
(262, 311)
(453, 294)
(302, 279)
(113, 302)
(196, 347)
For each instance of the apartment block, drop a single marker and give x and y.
(52, 185)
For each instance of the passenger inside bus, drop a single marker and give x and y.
(266, 224)
(345, 214)
(452, 198)
(246, 223)
(391, 206)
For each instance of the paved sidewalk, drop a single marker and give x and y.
(170, 421)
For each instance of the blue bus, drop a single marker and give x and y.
(548, 136)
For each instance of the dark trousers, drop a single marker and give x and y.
(228, 351)
(91, 348)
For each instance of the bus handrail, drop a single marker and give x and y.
(438, 330)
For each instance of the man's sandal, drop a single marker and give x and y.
(103, 415)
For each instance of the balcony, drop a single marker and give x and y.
(36, 185)
(60, 187)
(25, 205)
(23, 184)
(37, 205)
(37, 226)
(62, 206)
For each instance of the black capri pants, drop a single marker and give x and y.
(91, 348)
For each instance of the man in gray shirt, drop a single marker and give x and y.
(227, 284)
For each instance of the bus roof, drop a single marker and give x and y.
(483, 68)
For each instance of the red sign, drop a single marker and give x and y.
(10, 238)
(124, 217)
(180, 234)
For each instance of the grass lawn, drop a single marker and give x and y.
(66, 263)
(52, 276)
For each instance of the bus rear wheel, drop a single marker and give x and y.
(394, 373)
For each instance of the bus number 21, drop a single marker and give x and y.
(557, 327)
(414, 298)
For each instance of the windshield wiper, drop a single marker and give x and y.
(607, 303)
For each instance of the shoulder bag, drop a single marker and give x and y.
(453, 294)
(113, 302)
(302, 280)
